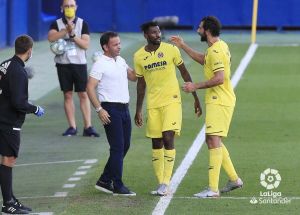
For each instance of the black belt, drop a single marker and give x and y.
(115, 104)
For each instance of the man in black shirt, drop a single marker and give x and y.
(14, 106)
(72, 65)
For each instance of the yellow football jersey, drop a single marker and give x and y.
(217, 58)
(159, 72)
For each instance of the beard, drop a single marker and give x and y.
(203, 37)
(155, 42)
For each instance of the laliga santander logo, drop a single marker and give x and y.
(270, 178)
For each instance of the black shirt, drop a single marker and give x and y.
(13, 94)
(85, 27)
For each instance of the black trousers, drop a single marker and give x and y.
(118, 133)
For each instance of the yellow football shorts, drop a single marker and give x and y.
(167, 118)
(217, 120)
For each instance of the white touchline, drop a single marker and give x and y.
(164, 202)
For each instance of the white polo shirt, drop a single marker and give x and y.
(112, 74)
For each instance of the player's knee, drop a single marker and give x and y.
(213, 141)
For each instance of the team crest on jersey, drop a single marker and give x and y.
(160, 55)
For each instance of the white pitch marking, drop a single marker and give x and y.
(84, 167)
(61, 194)
(231, 197)
(74, 179)
(91, 161)
(69, 185)
(80, 173)
(163, 203)
(46, 163)
(42, 213)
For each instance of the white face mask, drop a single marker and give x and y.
(29, 57)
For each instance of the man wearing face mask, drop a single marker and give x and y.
(14, 106)
(72, 65)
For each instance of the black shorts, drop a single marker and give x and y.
(9, 143)
(72, 74)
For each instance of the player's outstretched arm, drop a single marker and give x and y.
(196, 56)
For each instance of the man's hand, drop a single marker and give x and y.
(189, 87)
(70, 27)
(197, 106)
(39, 111)
(177, 40)
(138, 119)
(104, 116)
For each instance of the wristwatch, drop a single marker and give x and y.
(98, 109)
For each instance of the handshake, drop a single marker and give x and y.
(39, 111)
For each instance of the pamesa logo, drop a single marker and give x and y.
(270, 179)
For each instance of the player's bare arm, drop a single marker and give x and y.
(195, 55)
(187, 78)
(141, 89)
(131, 75)
(216, 80)
(102, 114)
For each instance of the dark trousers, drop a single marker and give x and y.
(118, 133)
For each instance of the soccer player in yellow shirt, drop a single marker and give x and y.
(219, 100)
(155, 65)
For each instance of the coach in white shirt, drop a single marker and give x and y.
(110, 75)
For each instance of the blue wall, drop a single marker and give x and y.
(127, 15)
(34, 16)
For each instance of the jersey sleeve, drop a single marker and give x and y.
(53, 26)
(137, 67)
(96, 71)
(85, 28)
(216, 61)
(177, 56)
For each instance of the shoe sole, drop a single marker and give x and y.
(120, 194)
(154, 192)
(207, 197)
(103, 189)
(234, 188)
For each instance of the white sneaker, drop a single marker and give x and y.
(154, 192)
(163, 190)
(232, 185)
(207, 193)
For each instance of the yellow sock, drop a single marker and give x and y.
(227, 165)
(169, 160)
(215, 161)
(158, 164)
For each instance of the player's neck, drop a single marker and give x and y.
(212, 40)
(151, 47)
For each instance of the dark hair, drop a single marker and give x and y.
(104, 39)
(212, 24)
(23, 43)
(145, 27)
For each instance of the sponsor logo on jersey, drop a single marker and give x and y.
(155, 65)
